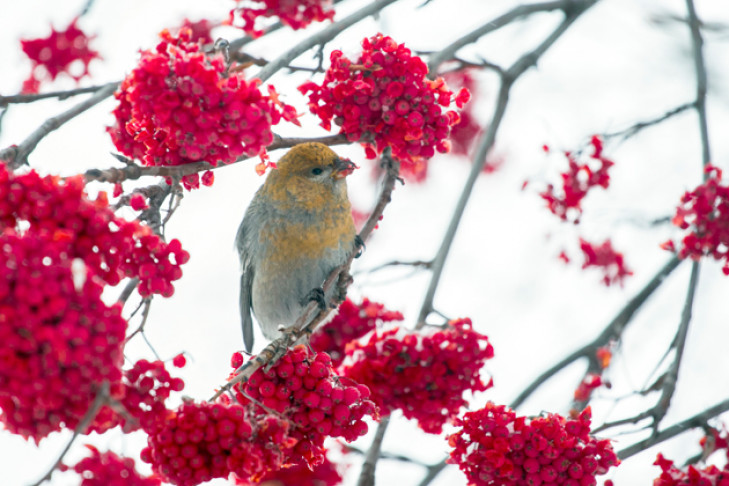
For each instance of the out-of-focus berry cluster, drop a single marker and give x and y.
(704, 212)
(580, 177)
(180, 106)
(303, 388)
(384, 99)
(65, 51)
(691, 476)
(604, 257)
(108, 469)
(494, 446)
(296, 15)
(592, 381)
(351, 322)
(324, 474)
(422, 375)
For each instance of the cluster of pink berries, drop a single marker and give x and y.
(704, 212)
(303, 388)
(180, 106)
(351, 322)
(58, 53)
(422, 375)
(385, 99)
(604, 257)
(692, 476)
(577, 181)
(108, 469)
(296, 15)
(494, 446)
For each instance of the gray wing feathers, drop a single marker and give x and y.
(245, 310)
(244, 245)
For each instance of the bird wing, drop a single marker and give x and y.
(244, 245)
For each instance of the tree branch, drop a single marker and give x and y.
(17, 155)
(487, 140)
(632, 130)
(321, 37)
(61, 95)
(701, 81)
(367, 476)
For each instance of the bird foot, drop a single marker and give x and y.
(317, 295)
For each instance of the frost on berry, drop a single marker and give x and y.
(302, 387)
(65, 51)
(60, 340)
(494, 446)
(324, 474)
(604, 257)
(296, 14)
(579, 178)
(201, 441)
(110, 247)
(704, 214)
(424, 375)
(351, 322)
(384, 99)
(109, 469)
(180, 106)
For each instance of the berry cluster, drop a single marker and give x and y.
(108, 469)
(60, 340)
(324, 474)
(351, 322)
(110, 247)
(142, 392)
(302, 387)
(577, 181)
(494, 446)
(704, 212)
(592, 381)
(467, 130)
(180, 106)
(603, 256)
(423, 375)
(202, 441)
(60, 52)
(385, 98)
(199, 31)
(296, 15)
(692, 476)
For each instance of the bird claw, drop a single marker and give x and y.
(359, 245)
(317, 295)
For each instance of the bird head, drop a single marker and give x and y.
(309, 175)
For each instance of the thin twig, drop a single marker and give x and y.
(367, 476)
(17, 155)
(61, 95)
(320, 37)
(612, 332)
(697, 43)
(133, 171)
(102, 394)
(486, 142)
(632, 130)
(127, 291)
(697, 420)
(146, 304)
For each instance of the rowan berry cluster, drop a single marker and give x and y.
(385, 99)
(422, 375)
(199, 30)
(324, 474)
(351, 322)
(180, 106)
(201, 441)
(108, 469)
(604, 257)
(704, 212)
(494, 446)
(296, 15)
(60, 340)
(692, 476)
(110, 247)
(467, 130)
(577, 181)
(303, 388)
(65, 51)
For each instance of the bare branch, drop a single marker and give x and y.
(102, 395)
(701, 81)
(17, 155)
(61, 95)
(486, 142)
(367, 476)
(632, 130)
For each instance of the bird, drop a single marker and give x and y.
(297, 229)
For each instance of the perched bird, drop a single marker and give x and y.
(297, 229)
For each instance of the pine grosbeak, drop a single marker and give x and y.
(297, 229)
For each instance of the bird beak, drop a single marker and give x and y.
(342, 168)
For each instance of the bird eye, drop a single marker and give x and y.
(316, 171)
